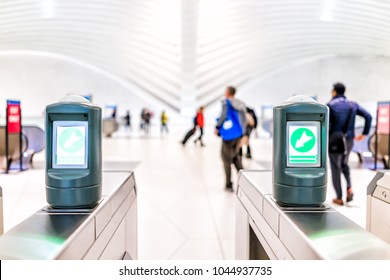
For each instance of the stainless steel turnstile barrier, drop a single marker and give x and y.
(109, 231)
(264, 230)
(378, 206)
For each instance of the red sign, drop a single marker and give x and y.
(383, 125)
(13, 117)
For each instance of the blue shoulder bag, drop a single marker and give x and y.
(231, 128)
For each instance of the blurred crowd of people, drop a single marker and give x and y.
(237, 122)
(146, 117)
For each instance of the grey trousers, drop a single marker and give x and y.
(230, 155)
(338, 165)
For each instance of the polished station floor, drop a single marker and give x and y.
(184, 212)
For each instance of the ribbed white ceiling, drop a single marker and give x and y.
(181, 52)
(242, 41)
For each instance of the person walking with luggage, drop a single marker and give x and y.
(190, 132)
(200, 124)
(164, 122)
(342, 114)
(230, 127)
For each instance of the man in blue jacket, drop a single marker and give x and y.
(342, 115)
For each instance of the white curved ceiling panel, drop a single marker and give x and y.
(137, 41)
(272, 34)
(169, 49)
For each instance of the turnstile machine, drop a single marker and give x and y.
(108, 231)
(378, 206)
(265, 230)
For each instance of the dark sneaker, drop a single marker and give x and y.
(229, 187)
(349, 196)
(338, 201)
(248, 156)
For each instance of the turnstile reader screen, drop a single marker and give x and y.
(304, 143)
(70, 140)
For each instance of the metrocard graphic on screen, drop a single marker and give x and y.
(303, 144)
(70, 144)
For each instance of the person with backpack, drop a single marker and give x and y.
(230, 127)
(200, 124)
(342, 114)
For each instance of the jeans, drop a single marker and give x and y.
(200, 136)
(164, 126)
(338, 165)
(230, 155)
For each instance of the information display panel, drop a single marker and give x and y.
(383, 123)
(303, 144)
(14, 120)
(70, 144)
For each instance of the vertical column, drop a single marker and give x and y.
(189, 33)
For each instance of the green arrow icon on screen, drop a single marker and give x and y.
(71, 140)
(303, 140)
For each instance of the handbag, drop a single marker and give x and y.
(231, 128)
(338, 140)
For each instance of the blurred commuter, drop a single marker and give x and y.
(199, 122)
(113, 115)
(147, 120)
(190, 132)
(251, 124)
(146, 116)
(164, 122)
(342, 114)
(142, 119)
(127, 119)
(230, 127)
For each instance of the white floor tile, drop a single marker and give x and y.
(194, 218)
(228, 246)
(158, 238)
(202, 249)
